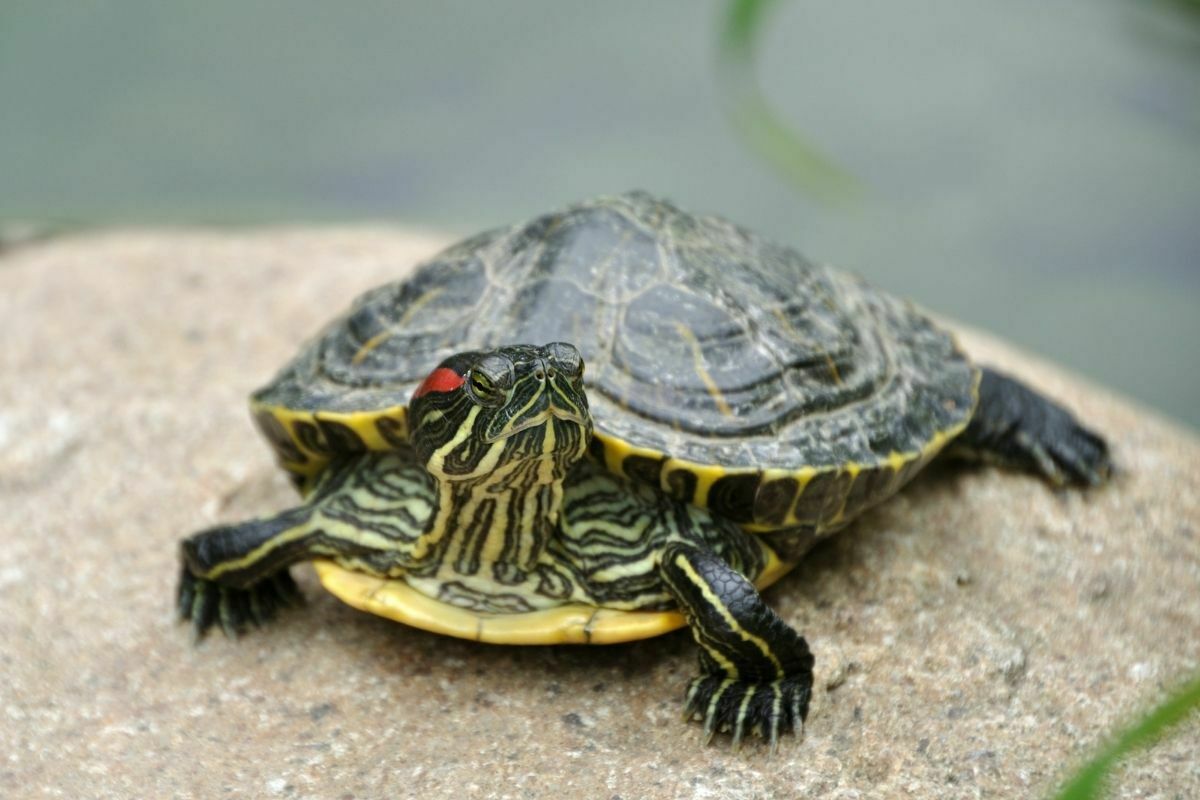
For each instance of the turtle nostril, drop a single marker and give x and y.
(540, 375)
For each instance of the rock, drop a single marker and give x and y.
(977, 636)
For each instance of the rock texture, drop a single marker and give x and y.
(976, 637)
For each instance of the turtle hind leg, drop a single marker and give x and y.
(756, 673)
(236, 575)
(1017, 427)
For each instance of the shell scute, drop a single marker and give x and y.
(725, 369)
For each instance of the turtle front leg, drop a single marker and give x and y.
(368, 511)
(1015, 426)
(756, 673)
(235, 575)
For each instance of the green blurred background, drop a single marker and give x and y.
(1032, 168)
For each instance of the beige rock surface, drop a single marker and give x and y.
(975, 637)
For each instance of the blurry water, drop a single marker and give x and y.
(1032, 168)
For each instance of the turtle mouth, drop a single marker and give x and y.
(537, 421)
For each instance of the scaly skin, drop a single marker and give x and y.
(1014, 426)
(756, 673)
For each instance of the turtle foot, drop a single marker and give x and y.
(1074, 455)
(206, 603)
(1016, 426)
(739, 707)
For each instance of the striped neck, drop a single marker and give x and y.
(496, 527)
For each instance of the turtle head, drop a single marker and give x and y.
(482, 414)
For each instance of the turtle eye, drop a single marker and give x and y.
(566, 359)
(489, 381)
(482, 387)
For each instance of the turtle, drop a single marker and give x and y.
(606, 423)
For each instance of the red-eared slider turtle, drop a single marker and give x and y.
(739, 403)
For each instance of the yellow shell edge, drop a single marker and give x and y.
(362, 423)
(575, 623)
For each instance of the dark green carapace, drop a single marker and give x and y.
(601, 425)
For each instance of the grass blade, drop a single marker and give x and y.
(754, 118)
(1089, 782)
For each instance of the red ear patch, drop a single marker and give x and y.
(442, 379)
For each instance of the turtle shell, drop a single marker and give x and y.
(727, 370)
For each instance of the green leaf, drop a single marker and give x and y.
(1088, 783)
(754, 118)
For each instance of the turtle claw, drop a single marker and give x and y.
(742, 707)
(206, 603)
(1065, 453)
(1083, 456)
